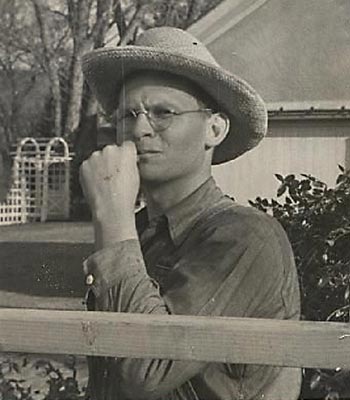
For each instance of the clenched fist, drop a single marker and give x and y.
(110, 182)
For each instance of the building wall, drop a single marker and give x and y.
(296, 54)
(292, 146)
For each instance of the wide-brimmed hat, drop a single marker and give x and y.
(177, 52)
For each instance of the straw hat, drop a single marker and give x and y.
(175, 51)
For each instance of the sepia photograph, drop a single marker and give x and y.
(174, 199)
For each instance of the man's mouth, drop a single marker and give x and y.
(143, 151)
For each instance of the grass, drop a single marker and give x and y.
(67, 232)
(44, 260)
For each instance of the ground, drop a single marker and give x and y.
(41, 267)
(41, 264)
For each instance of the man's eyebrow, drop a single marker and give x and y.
(159, 102)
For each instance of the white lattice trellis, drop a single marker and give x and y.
(41, 176)
(56, 177)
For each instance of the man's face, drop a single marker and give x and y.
(176, 152)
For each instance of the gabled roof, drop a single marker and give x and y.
(292, 52)
(223, 17)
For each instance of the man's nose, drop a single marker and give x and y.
(142, 126)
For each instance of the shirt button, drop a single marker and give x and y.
(89, 279)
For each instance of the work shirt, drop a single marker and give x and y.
(206, 256)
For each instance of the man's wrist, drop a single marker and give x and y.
(115, 228)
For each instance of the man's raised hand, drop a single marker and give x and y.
(110, 182)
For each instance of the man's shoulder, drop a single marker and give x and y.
(238, 221)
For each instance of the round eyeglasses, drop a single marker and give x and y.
(158, 117)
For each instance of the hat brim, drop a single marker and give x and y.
(106, 69)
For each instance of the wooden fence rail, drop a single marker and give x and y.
(216, 339)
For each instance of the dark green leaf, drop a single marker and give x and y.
(15, 367)
(265, 202)
(341, 178)
(279, 177)
(347, 293)
(315, 381)
(281, 190)
(290, 178)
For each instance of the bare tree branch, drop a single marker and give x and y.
(103, 17)
(65, 36)
(119, 18)
(129, 34)
(57, 12)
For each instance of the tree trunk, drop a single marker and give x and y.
(79, 23)
(51, 64)
(75, 94)
(5, 171)
(56, 97)
(82, 41)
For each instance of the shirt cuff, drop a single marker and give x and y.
(105, 268)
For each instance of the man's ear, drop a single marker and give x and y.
(218, 128)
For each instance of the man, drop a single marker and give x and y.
(193, 250)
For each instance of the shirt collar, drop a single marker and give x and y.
(181, 218)
(185, 214)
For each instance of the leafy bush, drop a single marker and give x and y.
(39, 379)
(317, 221)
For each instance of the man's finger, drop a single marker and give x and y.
(130, 148)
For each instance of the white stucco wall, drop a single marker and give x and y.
(313, 148)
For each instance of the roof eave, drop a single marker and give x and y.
(222, 18)
(310, 110)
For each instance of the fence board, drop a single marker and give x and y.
(216, 339)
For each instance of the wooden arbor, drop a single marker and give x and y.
(41, 182)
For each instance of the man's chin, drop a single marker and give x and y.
(149, 179)
(153, 174)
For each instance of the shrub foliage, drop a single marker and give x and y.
(317, 220)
